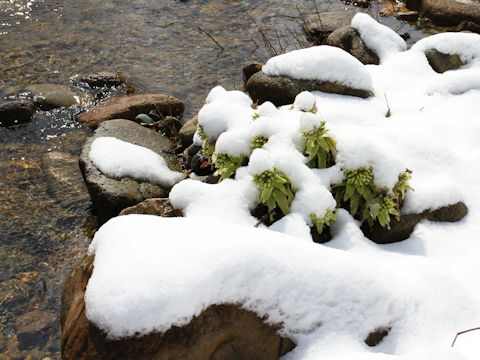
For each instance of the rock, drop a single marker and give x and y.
(200, 165)
(110, 196)
(51, 96)
(317, 27)
(468, 26)
(102, 79)
(377, 335)
(144, 119)
(189, 153)
(187, 131)
(349, 39)
(128, 107)
(219, 332)
(282, 90)
(158, 207)
(362, 3)
(401, 229)
(447, 12)
(32, 328)
(441, 62)
(407, 15)
(250, 69)
(169, 126)
(16, 112)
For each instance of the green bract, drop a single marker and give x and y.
(359, 191)
(226, 165)
(319, 147)
(207, 148)
(275, 190)
(326, 220)
(258, 141)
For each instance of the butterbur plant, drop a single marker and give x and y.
(321, 222)
(226, 165)
(319, 147)
(208, 149)
(258, 142)
(275, 190)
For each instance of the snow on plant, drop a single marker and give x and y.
(226, 164)
(320, 222)
(258, 141)
(318, 145)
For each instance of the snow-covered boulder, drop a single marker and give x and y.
(129, 163)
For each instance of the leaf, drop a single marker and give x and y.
(349, 191)
(281, 201)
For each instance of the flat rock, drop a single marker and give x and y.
(401, 229)
(51, 96)
(348, 39)
(441, 62)
(282, 90)
(128, 107)
(32, 328)
(317, 27)
(16, 112)
(447, 12)
(110, 196)
(102, 79)
(219, 332)
(187, 131)
(157, 207)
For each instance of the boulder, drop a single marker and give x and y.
(219, 332)
(250, 69)
(102, 79)
(110, 196)
(16, 112)
(317, 27)
(441, 62)
(447, 12)
(187, 131)
(128, 107)
(349, 39)
(282, 90)
(401, 229)
(158, 207)
(51, 96)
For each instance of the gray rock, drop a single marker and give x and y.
(349, 40)
(144, 118)
(102, 79)
(51, 96)
(468, 26)
(187, 131)
(441, 62)
(317, 27)
(447, 12)
(110, 196)
(189, 153)
(401, 229)
(282, 90)
(16, 112)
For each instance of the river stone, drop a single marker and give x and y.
(219, 332)
(250, 69)
(447, 12)
(51, 96)
(187, 131)
(128, 107)
(144, 118)
(158, 207)
(441, 62)
(468, 26)
(110, 196)
(401, 229)
(102, 79)
(16, 112)
(33, 328)
(348, 39)
(282, 90)
(317, 27)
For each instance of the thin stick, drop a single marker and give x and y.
(463, 332)
(389, 113)
(213, 39)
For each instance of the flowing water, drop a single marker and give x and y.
(179, 47)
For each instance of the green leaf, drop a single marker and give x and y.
(349, 191)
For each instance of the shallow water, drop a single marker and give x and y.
(179, 47)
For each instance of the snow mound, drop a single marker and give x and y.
(381, 39)
(117, 159)
(323, 63)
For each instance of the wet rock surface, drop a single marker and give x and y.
(317, 27)
(128, 107)
(158, 207)
(110, 196)
(32, 328)
(101, 79)
(16, 112)
(282, 90)
(447, 12)
(187, 131)
(51, 96)
(441, 62)
(349, 39)
(219, 332)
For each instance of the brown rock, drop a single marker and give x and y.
(219, 332)
(377, 335)
(128, 107)
(348, 39)
(158, 207)
(16, 112)
(101, 79)
(32, 328)
(51, 96)
(250, 69)
(187, 131)
(447, 12)
(317, 27)
(441, 62)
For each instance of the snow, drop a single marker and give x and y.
(118, 159)
(305, 101)
(323, 63)
(379, 38)
(161, 272)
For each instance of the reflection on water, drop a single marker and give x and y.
(163, 45)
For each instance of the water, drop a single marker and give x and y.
(179, 47)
